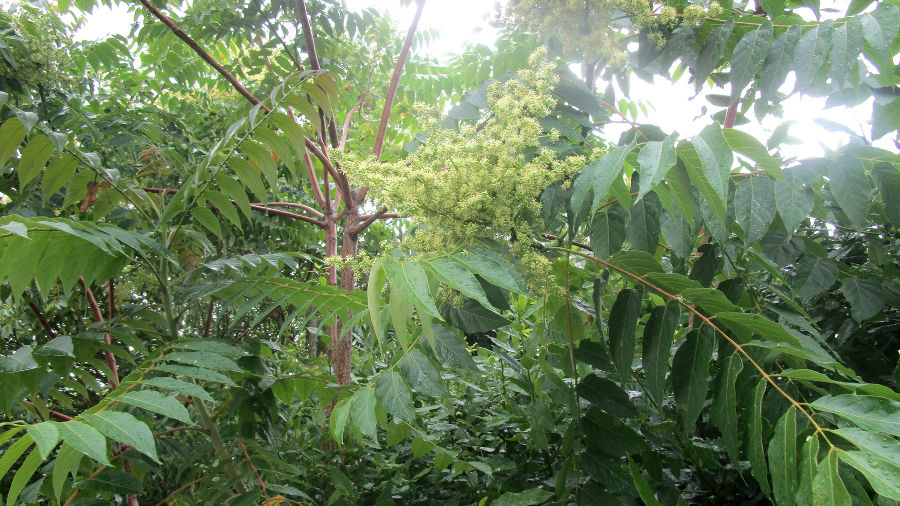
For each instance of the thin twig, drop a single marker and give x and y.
(313, 180)
(290, 204)
(179, 489)
(256, 207)
(55, 414)
(98, 317)
(208, 323)
(253, 468)
(369, 219)
(40, 316)
(346, 129)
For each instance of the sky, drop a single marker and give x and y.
(672, 106)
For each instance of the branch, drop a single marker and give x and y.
(292, 204)
(98, 317)
(395, 80)
(310, 43)
(253, 468)
(208, 323)
(55, 414)
(346, 128)
(256, 207)
(370, 218)
(40, 316)
(314, 181)
(627, 120)
(203, 54)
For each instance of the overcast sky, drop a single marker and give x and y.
(669, 104)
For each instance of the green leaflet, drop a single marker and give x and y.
(177, 385)
(608, 231)
(880, 28)
(45, 437)
(809, 464)
(398, 309)
(337, 422)
(748, 57)
(814, 276)
(657, 346)
(724, 406)
(234, 191)
(493, 268)
(865, 296)
(524, 498)
(622, 321)
(23, 475)
(157, 403)
(778, 62)
(410, 278)
(851, 189)
(641, 484)
(794, 204)
(811, 52)
(67, 460)
(85, 439)
(888, 178)
(125, 428)
(598, 176)
(828, 488)
(711, 53)
(690, 371)
(783, 458)
(715, 158)
(377, 279)
(58, 173)
(655, 159)
(248, 176)
(196, 373)
(755, 453)
(872, 413)
(677, 233)
(638, 263)
(607, 395)
(207, 219)
(113, 481)
(883, 475)
(754, 207)
(394, 395)
(420, 374)
(643, 228)
(846, 43)
(748, 146)
(460, 279)
(710, 300)
(203, 359)
(12, 133)
(261, 158)
(362, 411)
(879, 445)
(451, 349)
(34, 156)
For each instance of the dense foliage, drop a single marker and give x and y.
(521, 310)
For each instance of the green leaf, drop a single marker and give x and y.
(677, 233)
(888, 178)
(23, 475)
(828, 488)
(398, 310)
(643, 228)
(375, 285)
(608, 231)
(58, 173)
(410, 278)
(125, 428)
(809, 464)
(655, 160)
(814, 276)
(874, 27)
(810, 55)
(711, 53)
(598, 176)
(715, 158)
(754, 207)
(45, 436)
(248, 176)
(261, 158)
(778, 62)
(755, 453)
(157, 403)
(724, 405)
(748, 57)
(394, 395)
(607, 395)
(883, 475)
(846, 43)
(872, 413)
(34, 156)
(337, 422)
(794, 204)
(693, 164)
(710, 300)
(657, 346)
(362, 411)
(748, 146)
(451, 349)
(420, 374)
(235, 192)
(224, 205)
(112, 481)
(472, 317)
(641, 484)
(203, 359)
(12, 133)
(638, 263)
(865, 296)
(182, 387)
(460, 279)
(196, 373)
(881, 446)
(67, 460)
(783, 458)
(528, 497)
(690, 370)
(495, 269)
(622, 322)
(207, 219)
(850, 187)
(85, 439)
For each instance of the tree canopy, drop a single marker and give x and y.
(266, 252)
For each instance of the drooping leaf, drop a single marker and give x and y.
(748, 57)
(84, 438)
(459, 278)
(783, 458)
(711, 53)
(410, 278)
(748, 146)
(420, 374)
(641, 484)
(182, 387)
(846, 43)
(657, 346)
(203, 359)
(755, 453)
(493, 268)
(828, 488)
(724, 406)
(525, 498)
(598, 176)
(812, 50)
(778, 62)
(865, 296)
(715, 159)
(394, 395)
(851, 189)
(451, 349)
(605, 394)
(12, 133)
(677, 233)
(888, 178)
(362, 411)
(23, 475)
(608, 231)
(655, 160)
(113, 481)
(643, 228)
(622, 322)
(45, 437)
(793, 204)
(67, 460)
(809, 464)
(814, 276)
(883, 475)
(690, 371)
(754, 207)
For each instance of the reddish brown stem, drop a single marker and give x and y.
(253, 468)
(291, 204)
(370, 218)
(203, 54)
(55, 414)
(40, 316)
(384, 216)
(98, 317)
(395, 80)
(313, 180)
(256, 207)
(731, 114)
(346, 129)
(208, 323)
(310, 43)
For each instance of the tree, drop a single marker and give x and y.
(659, 319)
